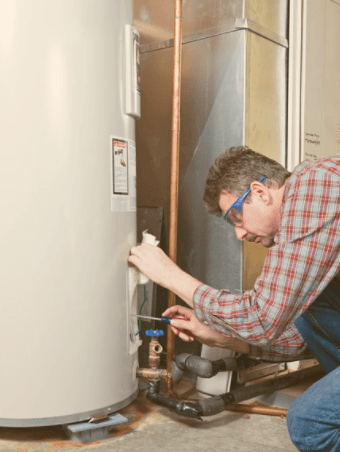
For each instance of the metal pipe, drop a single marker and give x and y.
(271, 411)
(155, 374)
(174, 162)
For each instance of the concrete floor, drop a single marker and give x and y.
(152, 428)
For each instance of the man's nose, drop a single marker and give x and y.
(241, 233)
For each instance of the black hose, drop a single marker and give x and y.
(217, 404)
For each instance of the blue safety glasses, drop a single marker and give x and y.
(234, 214)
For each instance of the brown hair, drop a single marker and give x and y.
(234, 170)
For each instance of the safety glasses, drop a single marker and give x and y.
(234, 214)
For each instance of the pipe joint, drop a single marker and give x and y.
(154, 374)
(192, 410)
(154, 386)
(205, 368)
(201, 367)
(187, 409)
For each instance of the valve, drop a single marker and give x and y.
(155, 348)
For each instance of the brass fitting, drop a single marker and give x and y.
(155, 349)
(154, 374)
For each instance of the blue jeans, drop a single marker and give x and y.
(314, 418)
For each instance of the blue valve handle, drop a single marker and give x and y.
(154, 333)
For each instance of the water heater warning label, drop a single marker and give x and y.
(120, 167)
(123, 174)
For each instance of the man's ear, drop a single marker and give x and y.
(224, 192)
(260, 191)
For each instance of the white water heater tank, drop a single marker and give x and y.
(69, 97)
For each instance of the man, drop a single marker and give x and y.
(297, 216)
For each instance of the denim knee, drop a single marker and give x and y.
(308, 433)
(296, 427)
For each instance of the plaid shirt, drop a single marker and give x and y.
(303, 261)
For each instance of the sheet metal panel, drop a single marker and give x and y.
(208, 248)
(233, 92)
(212, 119)
(266, 97)
(320, 109)
(265, 122)
(155, 23)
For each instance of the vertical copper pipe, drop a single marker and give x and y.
(176, 102)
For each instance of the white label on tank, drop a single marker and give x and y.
(132, 176)
(119, 157)
(120, 167)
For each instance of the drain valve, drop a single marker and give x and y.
(155, 348)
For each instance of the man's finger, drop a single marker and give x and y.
(181, 324)
(171, 310)
(185, 337)
(174, 329)
(178, 309)
(132, 259)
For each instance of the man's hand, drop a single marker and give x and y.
(190, 329)
(155, 264)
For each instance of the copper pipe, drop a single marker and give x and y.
(176, 100)
(152, 373)
(170, 388)
(243, 408)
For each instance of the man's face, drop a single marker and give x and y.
(259, 222)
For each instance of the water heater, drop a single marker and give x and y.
(69, 85)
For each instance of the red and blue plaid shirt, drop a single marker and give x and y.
(303, 261)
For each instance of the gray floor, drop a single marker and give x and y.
(151, 428)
